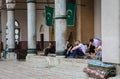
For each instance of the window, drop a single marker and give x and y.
(17, 35)
(17, 31)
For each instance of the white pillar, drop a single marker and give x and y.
(60, 25)
(10, 27)
(31, 11)
(111, 32)
(0, 28)
(0, 21)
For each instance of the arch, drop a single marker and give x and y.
(41, 28)
(17, 23)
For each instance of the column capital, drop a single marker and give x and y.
(31, 1)
(10, 5)
(8, 1)
(60, 17)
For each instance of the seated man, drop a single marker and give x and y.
(5, 51)
(79, 49)
(91, 47)
(93, 44)
(49, 49)
(68, 48)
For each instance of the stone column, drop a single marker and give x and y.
(79, 26)
(31, 13)
(10, 4)
(60, 25)
(110, 14)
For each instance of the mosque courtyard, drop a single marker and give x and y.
(41, 67)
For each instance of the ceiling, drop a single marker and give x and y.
(24, 4)
(39, 3)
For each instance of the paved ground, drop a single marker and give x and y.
(38, 67)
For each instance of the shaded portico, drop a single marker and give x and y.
(110, 20)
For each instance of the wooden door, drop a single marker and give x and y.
(42, 41)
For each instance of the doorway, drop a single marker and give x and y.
(42, 41)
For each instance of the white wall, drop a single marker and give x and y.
(41, 20)
(21, 17)
(0, 28)
(111, 30)
(97, 18)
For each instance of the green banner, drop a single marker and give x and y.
(49, 15)
(70, 13)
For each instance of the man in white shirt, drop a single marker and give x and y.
(93, 44)
(96, 42)
(79, 49)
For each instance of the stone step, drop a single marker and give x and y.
(41, 53)
(56, 61)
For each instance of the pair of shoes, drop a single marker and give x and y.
(70, 56)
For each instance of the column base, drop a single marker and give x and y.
(60, 52)
(31, 51)
(11, 56)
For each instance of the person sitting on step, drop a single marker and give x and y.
(5, 51)
(68, 48)
(93, 45)
(79, 49)
(49, 49)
